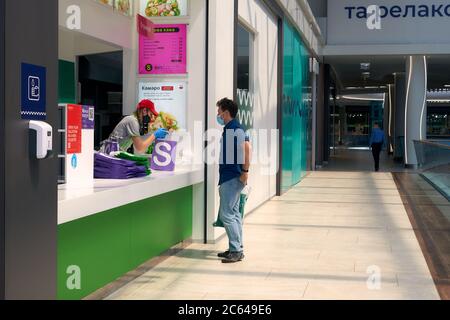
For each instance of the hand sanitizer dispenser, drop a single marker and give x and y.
(41, 137)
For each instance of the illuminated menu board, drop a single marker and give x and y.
(166, 52)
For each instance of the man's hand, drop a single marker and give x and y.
(244, 178)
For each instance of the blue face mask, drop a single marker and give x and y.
(220, 120)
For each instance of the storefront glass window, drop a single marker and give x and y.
(295, 108)
(244, 79)
(438, 122)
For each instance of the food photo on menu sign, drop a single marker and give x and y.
(123, 6)
(107, 2)
(163, 8)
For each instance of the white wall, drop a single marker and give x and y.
(254, 15)
(72, 44)
(220, 81)
(300, 15)
(100, 22)
(221, 75)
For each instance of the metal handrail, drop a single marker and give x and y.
(431, 154)
(434, 160)
(433, 143)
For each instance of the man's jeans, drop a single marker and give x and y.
(230, 195)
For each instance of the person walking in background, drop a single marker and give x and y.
(233, 169)
(377, 141)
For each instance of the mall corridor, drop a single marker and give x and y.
(352, 160)
(321, 240)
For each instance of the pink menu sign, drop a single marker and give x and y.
(166, 52)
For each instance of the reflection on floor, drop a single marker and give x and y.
(337, 235)
(360, 160)
(429, 212)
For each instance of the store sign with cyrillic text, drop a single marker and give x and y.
(388, 22)
(74, 127)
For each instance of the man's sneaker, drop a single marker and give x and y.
(234, 257)
(223, 254)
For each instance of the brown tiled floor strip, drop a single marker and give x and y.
(431, 227)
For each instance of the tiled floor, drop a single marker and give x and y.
(321, 240)
(360, 160)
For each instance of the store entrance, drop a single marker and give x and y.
(354, 119)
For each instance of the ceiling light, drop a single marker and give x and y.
(365, 75)
(365, 65)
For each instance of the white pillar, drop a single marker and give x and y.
(415, 106)
(390, 110)
(220, 85)
(399, 116)
(314, 75)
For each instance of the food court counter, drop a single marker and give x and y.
(115, 226)
(76, 203)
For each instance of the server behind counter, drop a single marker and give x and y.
(132, 129)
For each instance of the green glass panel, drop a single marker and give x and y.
(66, 82)
(294, 108)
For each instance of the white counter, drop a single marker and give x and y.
(77, 203)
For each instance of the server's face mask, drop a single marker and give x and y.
(145, 121)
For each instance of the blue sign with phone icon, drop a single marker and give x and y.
(33, 94)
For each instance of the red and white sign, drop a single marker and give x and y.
(74, 127)
(168, 97)
(145, 27)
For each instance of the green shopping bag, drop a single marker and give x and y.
(243, 200)
(139, 160)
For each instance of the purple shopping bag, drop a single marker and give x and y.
(164, 155)
(109, 146)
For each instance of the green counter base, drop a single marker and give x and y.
(96, 250)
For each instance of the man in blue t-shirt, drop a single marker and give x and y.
(234, 168)
(377, 141)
